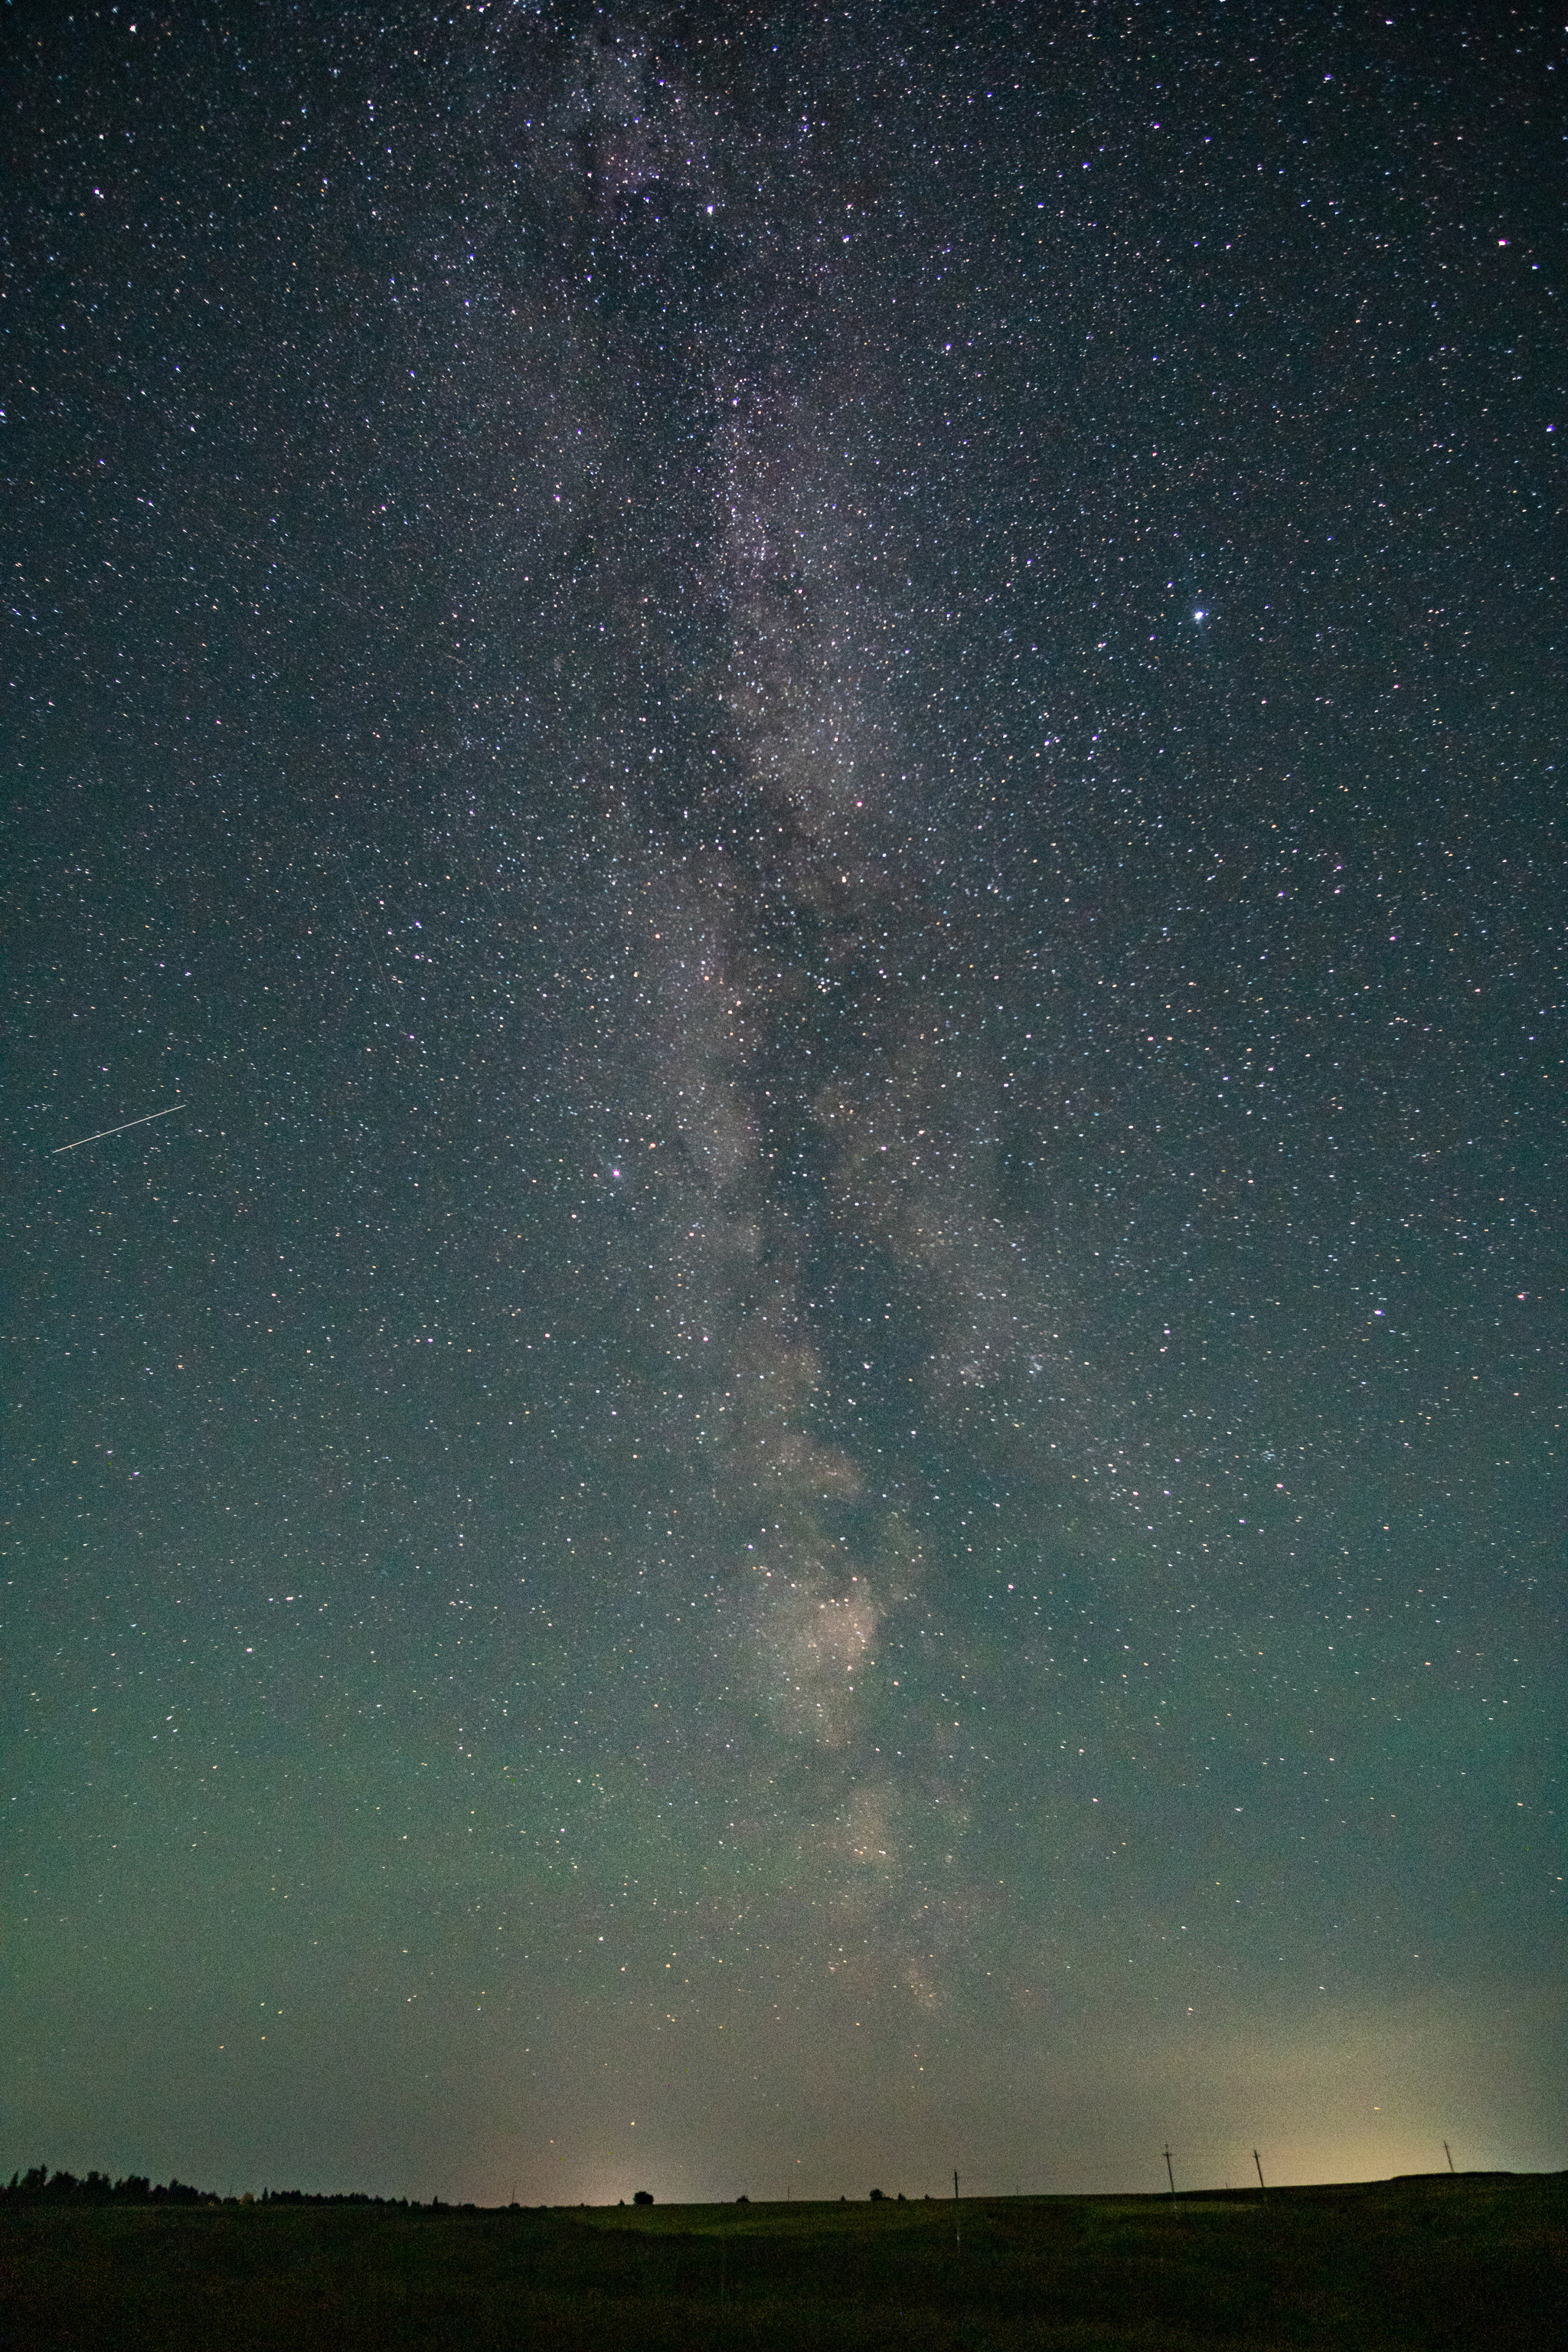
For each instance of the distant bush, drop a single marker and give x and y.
(742, 2199)
(877, 2198)
(643, 2197)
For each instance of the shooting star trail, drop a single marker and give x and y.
(116, 1130)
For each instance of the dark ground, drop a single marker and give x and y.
(1472, 2263)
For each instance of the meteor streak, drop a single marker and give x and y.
(102, 1131)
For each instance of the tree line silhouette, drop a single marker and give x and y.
(41, 2187)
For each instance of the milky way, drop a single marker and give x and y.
(809, 1053)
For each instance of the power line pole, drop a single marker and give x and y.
(1449, 2154)
(1260, 2180)
(1169, 2174)
(957, 2225)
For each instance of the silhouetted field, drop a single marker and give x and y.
(1473, 2262)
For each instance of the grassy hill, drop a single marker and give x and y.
(1478, 2264)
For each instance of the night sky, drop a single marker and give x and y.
(819, 749)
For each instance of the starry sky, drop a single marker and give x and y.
(815, 751)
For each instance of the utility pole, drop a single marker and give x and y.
(1449, 2154)
(1169, 2174)
(957, 2225)
(1260, 2180)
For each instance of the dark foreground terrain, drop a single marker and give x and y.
(1472, 2263)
